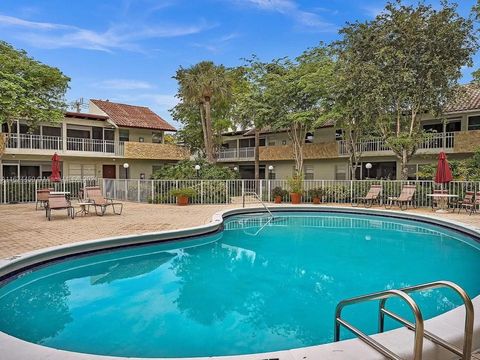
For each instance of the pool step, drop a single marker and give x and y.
(417, 326)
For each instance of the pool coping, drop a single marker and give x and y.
(448, 325)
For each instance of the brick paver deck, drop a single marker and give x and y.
(23, 229)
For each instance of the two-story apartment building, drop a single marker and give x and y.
(97, 143)
(457, 133)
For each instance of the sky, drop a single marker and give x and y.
(128, 50)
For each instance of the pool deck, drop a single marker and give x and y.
(23, 229)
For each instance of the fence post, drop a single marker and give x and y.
(243, 187)
(269, 182)
(351, 190)
(138, 191)
(152, 192)
(227, 192)
(201, 192)
(261, 190)
(36, 187)
(4, 191)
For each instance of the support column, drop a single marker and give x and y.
(64, 136)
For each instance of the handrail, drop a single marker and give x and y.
(419, 328)
(258, 198)
(466, 354)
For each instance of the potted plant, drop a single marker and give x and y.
(278, 194)
(295, 184)
(316, 195)
(183, 195)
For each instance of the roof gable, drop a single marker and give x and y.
(124, 115)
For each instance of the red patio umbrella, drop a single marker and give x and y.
(55, 168)
(444, 174)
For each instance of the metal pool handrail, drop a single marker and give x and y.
(257, 197)
(417, 327)
(466, 353)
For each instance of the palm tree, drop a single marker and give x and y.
(199, 85)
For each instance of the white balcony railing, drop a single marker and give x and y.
(31, 141)
(44, 142)
(236, 154)
(434, 141)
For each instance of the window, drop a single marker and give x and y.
(124, 135)
(412, 172)
(309, 174)
(435, 128)
(10, 171)
(340, 172)
(474, 123)
(271, 143)
(453, 125)
(338, 134)
(51, 131)
(29, 171)
(157, 138)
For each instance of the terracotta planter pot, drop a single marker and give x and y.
(182, 200)
(317, 200)
(278, 200)
(296, 198)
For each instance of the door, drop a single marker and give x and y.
(109, 172)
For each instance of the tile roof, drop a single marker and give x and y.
(467, 98)
(124, 115)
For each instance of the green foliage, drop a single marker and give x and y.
(466, 170)
(185, 169)
(316, 192)
(204, 91)
(188, 192)
(295, 184)
(337, 193)
(29, 90)
(411, 56)
(278, 191)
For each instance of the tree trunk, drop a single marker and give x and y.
(204, 128)
(404, 169)
(208, 126)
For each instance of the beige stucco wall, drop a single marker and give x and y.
(137, 150)
(467, 141)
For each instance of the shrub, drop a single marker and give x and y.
(188, 192)
(278, 191)
(184, 170)
(316, 192)
(295, 184)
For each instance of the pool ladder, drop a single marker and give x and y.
(254, 194)
(417, 327)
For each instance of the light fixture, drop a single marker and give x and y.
(270, 168)
(368, 165)
(126, 166)
(197, 167)
(235, 168)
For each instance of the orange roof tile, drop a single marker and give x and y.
(124, 115)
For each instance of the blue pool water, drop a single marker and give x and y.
(250, 288)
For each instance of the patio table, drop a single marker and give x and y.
(442, 200)
(84, 207)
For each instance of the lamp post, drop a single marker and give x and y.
(126, 166)
(368, 166)
(197, 169)
(270, 171)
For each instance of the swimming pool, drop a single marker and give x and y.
(256, 286)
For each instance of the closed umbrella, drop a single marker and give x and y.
(55, 168)
(443, 176)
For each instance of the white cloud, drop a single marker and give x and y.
(291, 9)
(124, 84)
(217, 44)
(125, 37)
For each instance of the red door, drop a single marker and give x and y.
(109, 171)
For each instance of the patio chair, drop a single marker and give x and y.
(437, 201)
(58, 202)
(95, 196)
(373, 195)
(42, 198)
(405, 198)
(467, 201)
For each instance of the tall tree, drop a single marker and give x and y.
(29, 90)
(297, 92)
(351, 94)
(414, 56)
(200, 86)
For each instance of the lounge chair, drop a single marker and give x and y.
(372, 196)
(58, 202)
(437, 200)
(42, 198)
(467, 201)
(405, 198)
(95, 196)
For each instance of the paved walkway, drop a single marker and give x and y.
(23, 229)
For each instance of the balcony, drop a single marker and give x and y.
(240, 154)
(20, 142)
(434, 143)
